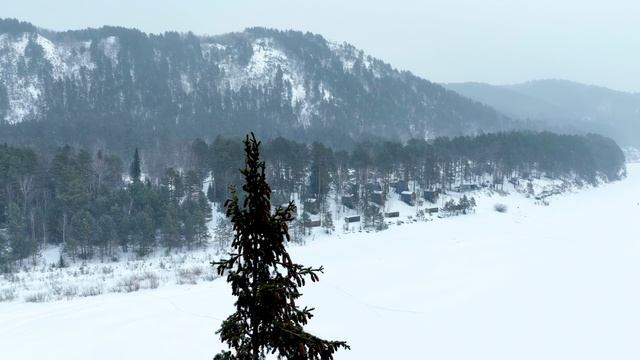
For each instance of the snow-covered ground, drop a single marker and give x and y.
(42, 279)
(536, 282)
(632, 154)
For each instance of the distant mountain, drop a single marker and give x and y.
(123, 87)
(564, 105)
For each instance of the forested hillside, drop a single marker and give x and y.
(121, 88)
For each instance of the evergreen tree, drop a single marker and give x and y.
(472, 204)
(327, 222)
(173, 184)
(194, 220)
(20, 243)
(106, 235)
(322, 166)
(4, 102)
(82, 232)
(464, 204)
(378, 220)
(530, 191)
(304, 222)
(5, 259)
(134, 170)
(264, 278)
(297, 231)
(201, 232)
(223, 234)
(144, 234)
(368, 213)
(450, 207)
(170, 230)
(192, 184)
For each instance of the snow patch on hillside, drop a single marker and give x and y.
(266, 63)
(66, 60)
(349, 56)
(111, 48)
(186, 83)
(58, 66)
(24, 91)
(16, 45)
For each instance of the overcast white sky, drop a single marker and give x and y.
(495, 41)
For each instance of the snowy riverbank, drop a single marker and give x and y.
(536, 282)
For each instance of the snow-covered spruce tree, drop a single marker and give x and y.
(304, 223)
(327, 222)
(264, 279)
(223, 234)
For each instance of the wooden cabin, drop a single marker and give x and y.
(431, 195)
(314, 223)
(312, 206)
(377, 197)
(408, 197)
(400, 186)
(393, 214)
(352, 219)
(467, 187)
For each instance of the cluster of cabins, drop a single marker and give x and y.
(310, 205)
(375, 194)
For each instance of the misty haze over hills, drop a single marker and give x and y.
(564, 106)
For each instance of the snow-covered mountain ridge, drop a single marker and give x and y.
(273, 82)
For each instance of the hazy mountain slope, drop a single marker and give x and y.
(510, 102)
(132, 85)
(564, 104)
(593, 103)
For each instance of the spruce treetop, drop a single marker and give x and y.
(263, 277)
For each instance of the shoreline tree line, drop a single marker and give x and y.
(97, 204)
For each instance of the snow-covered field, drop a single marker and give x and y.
(536, 282)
